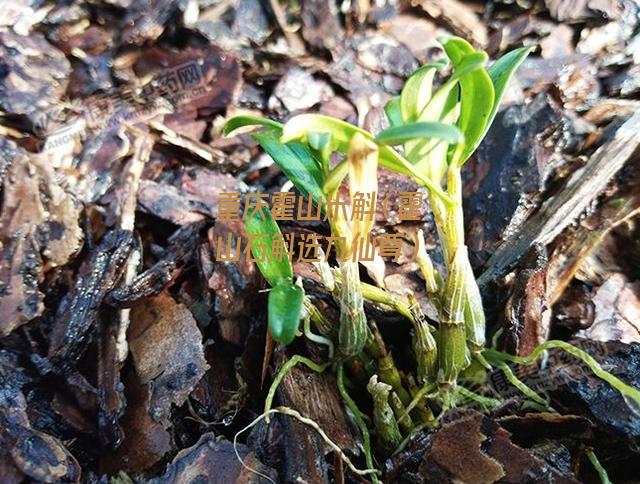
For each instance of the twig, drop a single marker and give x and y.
(126, 220)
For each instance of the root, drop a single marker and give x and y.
(307, 421)
(316, 338)
(484, 401)
(602, 473)
(520, 385)
(283, 371)
(630, 394)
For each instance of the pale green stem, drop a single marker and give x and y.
(357, 415)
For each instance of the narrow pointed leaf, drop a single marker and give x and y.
(335, 177)
(416, 93)
(295, 160)
(469, 64)
(298, 127)
(393, 112)
(501, 72)
(476, 99)
(401, 134)
(429, 156)
(432, 155)
(242, 121)
(274, 271)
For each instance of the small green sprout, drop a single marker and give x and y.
(285, 298)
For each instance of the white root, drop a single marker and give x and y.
(307, 421)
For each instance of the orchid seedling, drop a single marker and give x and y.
(432, 132)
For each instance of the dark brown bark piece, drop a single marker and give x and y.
(579, 10)
(179, 254)
(503, 181)
(36, 454)
(458, 16)
(528, 312)
(166, 346)
(77, 315)
(578, 391)
(147, 20)
(111, 399)
(616, 306)
(219, 74)
(39, 223)
(34, 75)
(321, 27)
(581, 189)
(475, 448)
(576, 249)
(234, 285)
(298, 90)
(215, 462)
(145, 440)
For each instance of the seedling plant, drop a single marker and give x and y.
(432, 132)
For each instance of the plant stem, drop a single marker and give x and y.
(387, 430)
(353, 332)
(357, 415)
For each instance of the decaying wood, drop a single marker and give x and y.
(218, 461)
(166, 347)
(35, 454)
(114, 220)
(579, 241)
(179, 253)
(528, 312)
(193, 147)
(582, 189)
(38, 227)
(78, 313)
(133, 171)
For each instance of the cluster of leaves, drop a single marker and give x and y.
(436, 129)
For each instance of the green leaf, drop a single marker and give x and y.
(501, 72)
(429, 156)
(476, 99)
(298, 128)
(392, 109)
(468, 64)
(335, 177)
(401, 134)
(242, 121)
(295, 160)
(262, 225)
(284, 310)
(416, 93)
(320, 140)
